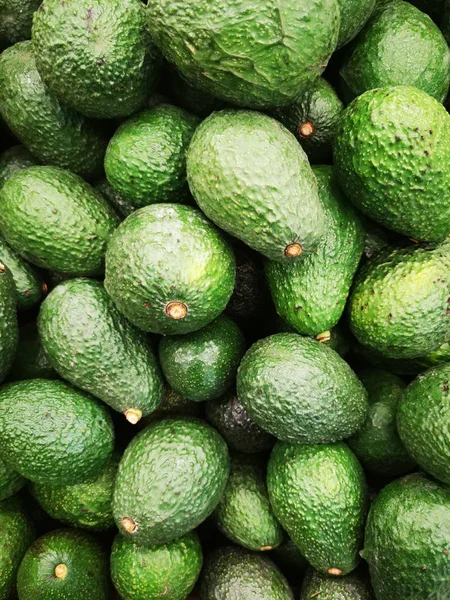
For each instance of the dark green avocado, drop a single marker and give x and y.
(173, 405)
(354, 586)
(189, 97)
(9, 332)
(14, 159)
(10, 482)
(30, 360)
(121, 205)
(16, 17)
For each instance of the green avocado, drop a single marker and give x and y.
(52, 433)
(318, 494)
(353, 18)
(9, 331)
(52, 132)
(391, 153)
(10, 482)
(14, 159)
(16, 17)
(407, 540)
(121, 205)
(54, 219)
(30, 360)
(166, 571)
(353, 586)
(185, 269)
(185, 464)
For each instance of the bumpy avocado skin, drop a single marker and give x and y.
(14, 159)
(399, 302)
(91, 345)
(185, 463)
(54, 219)
(353, 586)
(146, 158)
(176, 255)
(54, 133)
(407, 540)
(27, 279)
(391, 152)
(318, 494)
(288, 383)
(9, 331)
(96, 56)
(87, 568)
(16, 17)
(399, 46)
(353, 18)
(10, 481)
(166, 571)
(30, 360)
(311, 293)
(52, 433)
(232, 573)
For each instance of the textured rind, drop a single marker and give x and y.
(377, 445)
(57, 221)
(318, 494)
(96, 55)
(10, 482)
(300, 390)
(353, 18)
(91, 345)
(164, 253)
(27, 280)
(244, 513)
(250, 176)
(254, 54)
(399, 46)
(391, 153)
(407, 540)
(146, 158)
(14, 159)
(86, 562)
(166, 571)
(202, 365)
(53, 133)
(311, 293)
(16, 17)
(399, 305)
(234, 573)
(350, 587)
(52, 433)
(9, 331)
(30, 360)
(423, 421)
(185, 464)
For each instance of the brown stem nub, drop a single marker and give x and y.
(306, 129)
(133, 415)
(334, 571)
(265, 548)
(325, 336)
(293, 250)
(2, 268)
(44, 288)
(60, 571)
(129, 525)
(176, 310)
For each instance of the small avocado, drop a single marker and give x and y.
(354, 586)
(14, 159)
(16, 17)
(354, 15)
(10, 482)
(9, 331)
(30, 360)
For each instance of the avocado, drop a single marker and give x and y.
(17, 534)
(146, 158)
(16, 17)
(399, 46)
(354, 586)
(313, 119)
(52, 132)
(91, 345)
(377, 445)
(407, 540)
(244, 513)
(64, 564)
(14, 159)
(10, 481)
(185, 464)
(250, 176)
(232, 572)
(202, 365)
(288, 383)
(311, 293)
(189, 97)
(399, 302)
(54, 219)
(97, 58)
(121, 205)
(232, 421)
(318, 494)
(30, 360)
(173, 405)
(385, 128)
(52, 433)
(9, 332)
(184, 267)
(354, 15)
(167, 571)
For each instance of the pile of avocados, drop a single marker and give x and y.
(224, 300)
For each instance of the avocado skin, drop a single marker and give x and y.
(57, 221)
(249, 175)
(14, 159)
(91, 345)
(287, 384)
(177, 255)
(232, 421)
(354, 15)
(399, 302)
(16, 17)
(30, 360)
(311, 293)
(318, 494)
(17, 534)
(27, 279)
(350, 587)
(121, 205)
(10, 482)
(232, 573)
(9, 331)
(96, 57)
(54, 133)
(146, 158)
(399, 46)
(408, 528)
(202, 365)
(52, 433)
(86, 561)
(392, 126)
(148, 573)
(377, 445)
(185, 463)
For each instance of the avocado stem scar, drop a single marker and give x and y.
(306, 129)
(264, 548)
(293, 250)
(133, 415)
(176, 310)
(334, 571)
(2, 268)
(129, 525)
(60, 571)
(325, 336)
